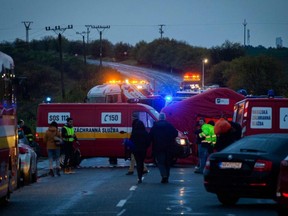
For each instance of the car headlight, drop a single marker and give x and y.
(181, 141)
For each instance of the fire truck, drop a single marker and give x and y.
(8, 129)
(137, 91)
(191, 82)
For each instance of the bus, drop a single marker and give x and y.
(9, 159)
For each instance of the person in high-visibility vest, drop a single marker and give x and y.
(68, 136)
(207, 144)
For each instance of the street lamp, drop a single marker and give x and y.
(204, 61)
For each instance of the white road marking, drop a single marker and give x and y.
(121, 203)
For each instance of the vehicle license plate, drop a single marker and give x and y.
(230, 165)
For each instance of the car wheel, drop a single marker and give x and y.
(227, 199)
(27, 176)
(19, 181)
(5, 200)
(113, 160)
(282, 210)
(34, 176)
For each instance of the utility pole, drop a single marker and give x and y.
(248, 37)
(84, 49)
(60, 30)
(88, 32)
(244, 24)
(27, 27)
(100, 29)
(161, 30)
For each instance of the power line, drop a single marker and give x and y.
(60, 30)
(100, 29)
(84, 48)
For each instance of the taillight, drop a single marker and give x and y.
(23, 150)
(263, 166)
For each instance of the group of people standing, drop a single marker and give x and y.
(55, 140)
(213, 137)
(162, 137)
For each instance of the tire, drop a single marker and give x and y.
(34, 176)
(5, 200)
(28, 176)
(282, 210)
(113, 160)
(227, 200)
(19, 182)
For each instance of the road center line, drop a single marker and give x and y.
(121, 203)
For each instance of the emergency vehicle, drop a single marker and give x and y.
(262, 115)
(9, 159)
(191, 82)
(117, 91)
(101, 127)
(125, 91)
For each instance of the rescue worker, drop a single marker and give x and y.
(207, 144)
(198, 141)
(27, 131)
(68, 136)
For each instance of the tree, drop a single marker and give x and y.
(122, 51)
(226, 52)
(256, 74)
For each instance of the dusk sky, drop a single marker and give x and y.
(203, 23)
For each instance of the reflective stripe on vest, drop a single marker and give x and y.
(70, 132)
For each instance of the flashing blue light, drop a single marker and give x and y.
(271, 93)
(168, 98)
(48, 99)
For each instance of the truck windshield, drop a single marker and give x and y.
(155, 113)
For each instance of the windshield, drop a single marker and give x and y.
(155, 113)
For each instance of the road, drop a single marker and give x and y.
(167, 83)
(97, 189)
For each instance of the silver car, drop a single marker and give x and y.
(27, 161)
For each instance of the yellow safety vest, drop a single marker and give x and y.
(70, 132)
(208, 134)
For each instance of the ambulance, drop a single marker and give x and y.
(101, 127)
(262, 115)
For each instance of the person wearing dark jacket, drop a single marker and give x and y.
(227, 138)
(140, 138)
(162, 136)
(68, 136)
